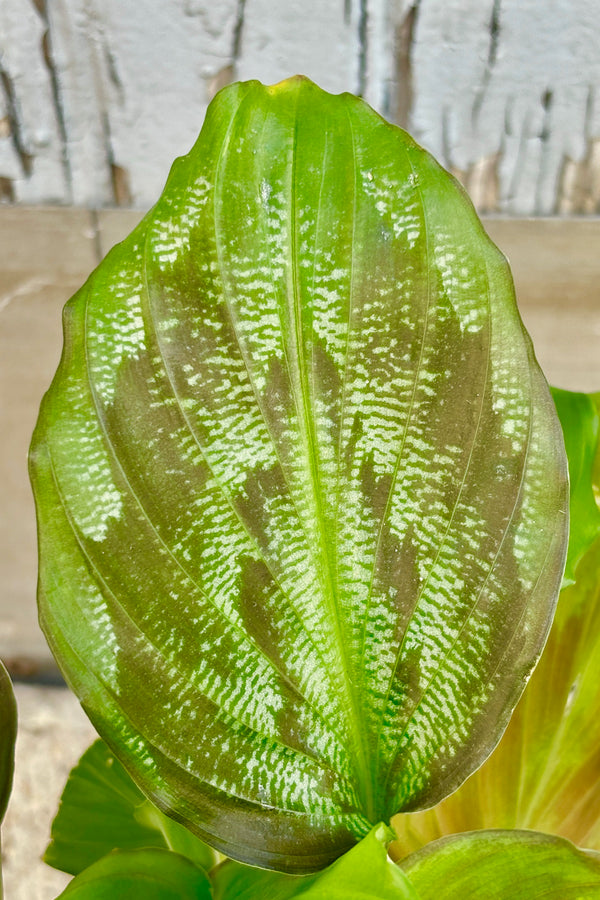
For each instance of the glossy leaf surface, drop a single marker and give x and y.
(101, 810)
(364, 873)
(8, 734)
(148, 874)
(496, 865)
(545, 773)
(289, 482)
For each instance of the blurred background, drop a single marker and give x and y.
(97, 97)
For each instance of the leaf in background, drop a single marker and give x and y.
(595, 398)
(364, 873)
(545, 773)
(496, 865)
(148, 874)
(101, 810)
(8, 734)
(289, 481)
(581, 428)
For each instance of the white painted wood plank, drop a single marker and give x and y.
(136, 80)
(98, 96)
(324, 41)
(31, 158)
(132, 81)
(512, 83)
(382, 17)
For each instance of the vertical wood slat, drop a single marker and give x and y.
(108, 93)
(509, 101)
(98, 96)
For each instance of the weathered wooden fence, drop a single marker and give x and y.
(98, 96)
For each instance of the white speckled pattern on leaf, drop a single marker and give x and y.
(301, 488)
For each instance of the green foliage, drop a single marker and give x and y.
(290, 477)
(8, 733)
(148, 874)
(553, 736)
(545, 773)
(101, 810)
(364, 873)
(497, 865)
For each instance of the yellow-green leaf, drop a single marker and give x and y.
(580, 421)
(364, 873)
(148, 874)
(290, 477)
(497, 865)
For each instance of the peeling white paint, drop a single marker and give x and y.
(521, 92)
(106, 94)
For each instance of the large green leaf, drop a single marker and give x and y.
(364, 873)
(545, 773)
(148, 874)
(8, 734)
(497, 865)
(101, 810)
(290, 477)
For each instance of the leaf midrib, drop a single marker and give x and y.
(325, 671)
(326, 561)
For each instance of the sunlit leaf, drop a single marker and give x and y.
(580, 422)
(498, 865)
(290, 477)
(364, 873)
(101, 810)
(8, 734)
(148, 874)
(545, 773)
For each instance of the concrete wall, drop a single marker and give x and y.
(98, 96)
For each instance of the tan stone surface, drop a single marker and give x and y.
(53, 733)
